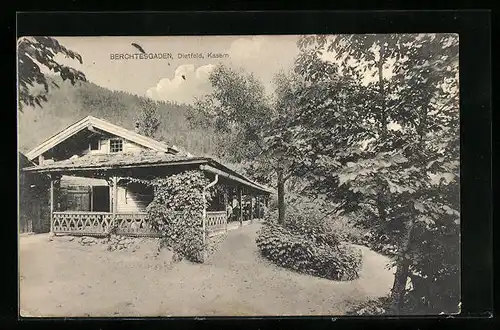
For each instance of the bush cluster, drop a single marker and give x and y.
(380, 243)
(373, 307)
(301, 212)
(314, 227)
(312, 252)
(434, 273)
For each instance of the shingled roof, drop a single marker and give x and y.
(157, 154)
(145, 158)
(116, 160)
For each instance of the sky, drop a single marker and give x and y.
(177, 79)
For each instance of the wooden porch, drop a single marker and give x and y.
(104, 199)
(92, 214)
(128, 224)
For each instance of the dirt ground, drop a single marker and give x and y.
(62, 278)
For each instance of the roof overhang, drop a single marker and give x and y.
(92, 123)
(68, 170)
(205, 164)
(234, 176)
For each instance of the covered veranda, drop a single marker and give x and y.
(237, 201)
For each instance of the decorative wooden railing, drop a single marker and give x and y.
(129, 224)
(83, 223)
(216, 221)
(100, 223)
(133, 224)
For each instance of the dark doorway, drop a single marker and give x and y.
(75, 198)
(100, 199)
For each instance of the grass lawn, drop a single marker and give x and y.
(64, 278)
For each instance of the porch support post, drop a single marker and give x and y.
(52, 205)
(266, 204)
(112, 182)
(115, 199)
(261, 213)
(251, 208)
(225, 206)
(115, 193)
(204, 214)
(262, 208)
(54, 184)
(240, 202)
(257, 204)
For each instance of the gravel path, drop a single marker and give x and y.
(61, 278)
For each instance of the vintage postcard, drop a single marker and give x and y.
(246, 175)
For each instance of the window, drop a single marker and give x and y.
(115, 145)
(94, 145)
(138, 194)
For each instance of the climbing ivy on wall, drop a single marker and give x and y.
(177, 210)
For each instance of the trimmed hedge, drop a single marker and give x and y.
(306, 254)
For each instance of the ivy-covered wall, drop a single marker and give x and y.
(177, 211)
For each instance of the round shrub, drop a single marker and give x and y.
(301, 253)
(314, 227)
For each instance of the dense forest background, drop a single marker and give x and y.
(67, 103)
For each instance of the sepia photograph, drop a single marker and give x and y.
(239, 175)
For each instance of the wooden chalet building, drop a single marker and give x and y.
(88, 163)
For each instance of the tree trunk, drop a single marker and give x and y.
(399, 286)
(402, 270)
(382, 213)
(383, 110)
(281, 198)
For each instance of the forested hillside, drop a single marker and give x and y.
(67, 104)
